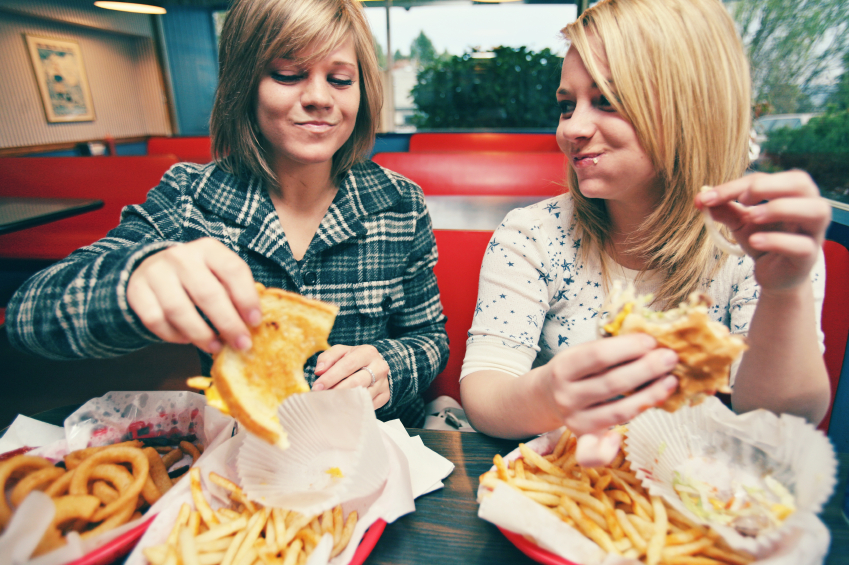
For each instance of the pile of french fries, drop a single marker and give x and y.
(246, 533)
(610, 507)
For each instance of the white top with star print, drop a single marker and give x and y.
(536, 298)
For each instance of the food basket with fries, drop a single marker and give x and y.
(97, 486)
(559, 512)
(212, 519)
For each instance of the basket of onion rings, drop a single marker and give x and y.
(121, 453)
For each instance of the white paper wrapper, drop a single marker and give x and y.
(761, 443)
(117, 416)
(393, 499)
(334, 429)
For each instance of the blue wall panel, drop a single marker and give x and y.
(193, 65)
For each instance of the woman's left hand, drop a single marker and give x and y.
(344, 366)
(778, 219)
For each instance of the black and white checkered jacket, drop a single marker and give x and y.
(373, 256)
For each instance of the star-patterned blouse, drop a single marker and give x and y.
(536, 298)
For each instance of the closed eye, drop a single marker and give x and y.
(287, 79)
(566, 106)
(340, 81)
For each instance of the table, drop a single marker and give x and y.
(483, 213)
(445, 528)
(20, 213)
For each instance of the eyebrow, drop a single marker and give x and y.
(564, 92)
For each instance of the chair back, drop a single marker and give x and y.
(457, 273)
(480, 174)
(476, 142)
(193, 149)
(835, 316)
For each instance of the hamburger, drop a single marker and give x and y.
(250, 385)
(706, 349)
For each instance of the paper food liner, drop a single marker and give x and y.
(391, 500)
(759, 442)
(115, 417)
(329, 431)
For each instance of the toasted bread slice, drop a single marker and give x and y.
(253, 383)
(706, 349)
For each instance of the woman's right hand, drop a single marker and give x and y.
(168, 288)
(583, 388)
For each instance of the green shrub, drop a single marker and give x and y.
(515, 89)
(820, 147)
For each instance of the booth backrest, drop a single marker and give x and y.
(471, 142)
(118, 181)
(480, 174)
(192, 149)
(835, 315)
(457, 272)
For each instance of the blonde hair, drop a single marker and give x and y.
(258, 31)
(682, 80)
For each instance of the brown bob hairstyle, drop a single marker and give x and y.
(258, 31)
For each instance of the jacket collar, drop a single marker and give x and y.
(365, 190)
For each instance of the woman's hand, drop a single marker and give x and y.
(343, 366)
(581, 385)
(168, 288)
(779, 220)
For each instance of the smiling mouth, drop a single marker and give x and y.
(316, 127)
(586, 159)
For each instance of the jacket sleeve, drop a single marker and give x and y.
(417, 349)
(78, 308)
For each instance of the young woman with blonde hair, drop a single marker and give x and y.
(291, 201)
(655, 104)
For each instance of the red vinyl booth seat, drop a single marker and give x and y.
(835, 315)
(457, 273)
(480, 174)
(472, 142)
(191, 149)
(118, 181)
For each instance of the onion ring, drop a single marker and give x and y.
(33, 481)
(718, 238)
(113, 454)
(6, 470)
(60, 486)
(104, 492)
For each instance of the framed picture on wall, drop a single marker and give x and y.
(61, 78)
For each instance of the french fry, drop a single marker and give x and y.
(534, 458)
(188, 549)
(200, 502)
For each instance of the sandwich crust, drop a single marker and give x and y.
(706, 349)
(253, 383)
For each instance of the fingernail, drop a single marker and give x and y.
(318, 387)
(243, 343)
(709, 197)
(319, 366)
(669, 358)
(255, 317)
(757, 239)
(648, 341)
(757, 213)
(670, 383)
(214, 346)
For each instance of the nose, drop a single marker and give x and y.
(579, 127)
(316, 92)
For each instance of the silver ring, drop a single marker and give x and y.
(373, 378)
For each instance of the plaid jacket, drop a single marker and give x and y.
(373, 256)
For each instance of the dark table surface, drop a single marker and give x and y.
(445, 527)
(20, 213)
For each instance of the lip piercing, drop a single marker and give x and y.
(595, 160)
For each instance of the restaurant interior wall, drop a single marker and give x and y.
(120, 63)
(192, 66)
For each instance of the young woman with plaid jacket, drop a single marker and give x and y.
(291, 202)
